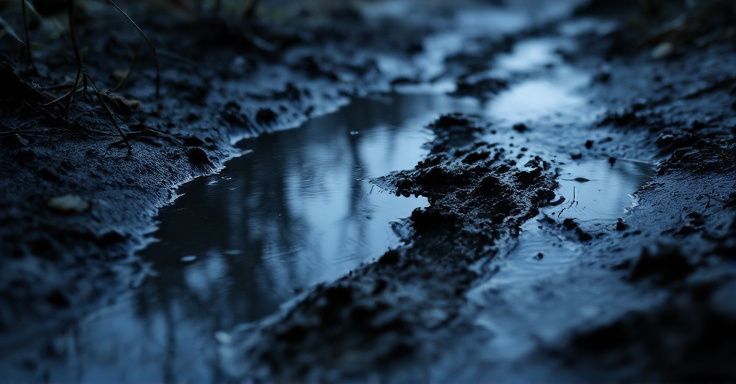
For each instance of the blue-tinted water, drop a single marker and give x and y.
(297, 208)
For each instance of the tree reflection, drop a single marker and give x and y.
(296, 211)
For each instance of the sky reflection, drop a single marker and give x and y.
(296, 209)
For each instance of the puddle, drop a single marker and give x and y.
(465, 26)
(598, 202)
(549, 100)
(514, 15)
(597, 192)
(528, 55)
(552, 96)
(543, 252)
(296, 209)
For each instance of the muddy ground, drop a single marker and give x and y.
(651, 298)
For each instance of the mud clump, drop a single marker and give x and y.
(394, 310)
(199, 158)
(663, 264)
(427, 220)
(476, 156)
(520, 127)
(686, 339)
(454, 121)
(480, 88)
(571, 225)
(621, 225)
(391, 256)
(266, 116)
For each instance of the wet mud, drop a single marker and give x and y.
(548, 197)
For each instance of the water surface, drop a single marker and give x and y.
(297, 208)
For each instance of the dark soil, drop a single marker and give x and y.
(652, 299)
(395, 309)
(252, 79)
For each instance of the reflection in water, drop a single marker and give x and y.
(529, 55)
(522, 270)
(606, 194)
(296, 209)
(600, 201)
(534, 99)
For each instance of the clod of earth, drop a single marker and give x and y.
(69, 204)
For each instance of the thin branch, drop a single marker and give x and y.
(29, 53)
(148, 41)
(250, 11)
(77, 53)
(124, 79)
(110, 114)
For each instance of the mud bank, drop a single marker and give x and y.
(642, 292)
(79, 198)
(581, 216)
(395, 310)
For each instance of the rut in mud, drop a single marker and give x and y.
(480, 192)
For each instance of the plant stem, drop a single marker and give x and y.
(77, 53)
(29, 54)
(148, 41)
(110, 115)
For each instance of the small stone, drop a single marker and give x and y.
(663, 50)
(603, 75)
(69, 204)
(621, 225)
(576, 156)
(266, 116)
(198, 157)
(520, 127)
(589, 144)
(539, 256)
(223, 337)
(569, 223)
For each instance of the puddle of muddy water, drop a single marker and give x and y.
(596, 194)
(542, 249)
(543, 252)
(296, 209)
(549, 100)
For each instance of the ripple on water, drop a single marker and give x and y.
(543, 251)
(296, 209)
(606, 195)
